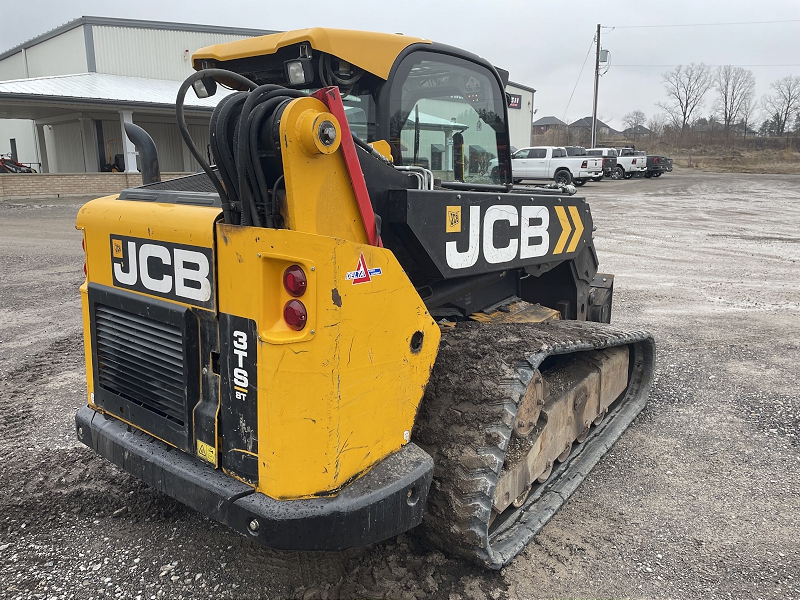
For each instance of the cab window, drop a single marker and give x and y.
(440, 102)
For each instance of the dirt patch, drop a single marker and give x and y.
(700, 497)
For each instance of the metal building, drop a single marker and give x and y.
(520, 114)
(65, 94)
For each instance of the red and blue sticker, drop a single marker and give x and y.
(362, 274)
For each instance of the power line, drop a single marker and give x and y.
(579, 78)
(700, 24)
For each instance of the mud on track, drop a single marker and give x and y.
(700, 497)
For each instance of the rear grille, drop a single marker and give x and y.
(141, 360)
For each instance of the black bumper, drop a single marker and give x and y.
(385, 502)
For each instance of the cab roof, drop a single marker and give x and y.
(373, 52)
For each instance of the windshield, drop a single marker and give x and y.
(448, 115)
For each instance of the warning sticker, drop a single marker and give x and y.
(207, 452)
(362, 274)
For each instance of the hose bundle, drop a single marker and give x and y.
(245, 145)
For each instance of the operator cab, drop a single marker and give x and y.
(438, 108)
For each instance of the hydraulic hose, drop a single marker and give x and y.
(243, 135)
(187, 138)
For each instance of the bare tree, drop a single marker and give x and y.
(634, 119)
(686, 87)
(656, 125)
(735, 86)
(784, 103)
(747, 113)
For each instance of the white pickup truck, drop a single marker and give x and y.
(552, 162)
(629, 164)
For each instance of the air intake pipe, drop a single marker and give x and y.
(148, 155)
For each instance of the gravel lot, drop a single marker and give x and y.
(701, 497)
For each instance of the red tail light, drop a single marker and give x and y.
(294, 280)
(295, 314)
(584, 164)
(83, 247)
(655, 160)
(633, 162)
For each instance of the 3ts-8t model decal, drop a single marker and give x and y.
(484, 232)
(238, 360)
(173, 271)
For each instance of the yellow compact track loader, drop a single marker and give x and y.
(351, 324)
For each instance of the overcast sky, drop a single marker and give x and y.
(542, 44)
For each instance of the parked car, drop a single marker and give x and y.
(609, 161)
(658, 165)
(552, 162)
(629, 164)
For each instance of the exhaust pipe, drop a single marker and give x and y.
(148, 155)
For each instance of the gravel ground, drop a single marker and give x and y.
(701, 496)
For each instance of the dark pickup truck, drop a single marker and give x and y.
(609, 160)
(656, 165)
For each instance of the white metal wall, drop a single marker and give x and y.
(12, 67)
(171, 152)
(22, 131)
(152, 53)
(519, 119)
(112, 140)
(68, 147)
(61, 55)
(168, 143)
(199, 134)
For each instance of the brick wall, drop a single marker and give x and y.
(17, 186)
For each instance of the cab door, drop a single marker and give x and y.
(537, 162)
(519, 164)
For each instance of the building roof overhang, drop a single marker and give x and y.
(47, 97)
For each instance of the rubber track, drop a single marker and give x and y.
(465, 421)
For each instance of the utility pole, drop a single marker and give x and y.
(596, 82)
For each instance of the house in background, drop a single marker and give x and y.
(585, 123)
(635, 132)
(545, 124)
(743, 130)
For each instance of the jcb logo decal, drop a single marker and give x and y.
(173, 271)
(453, 219)
(528, 235)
